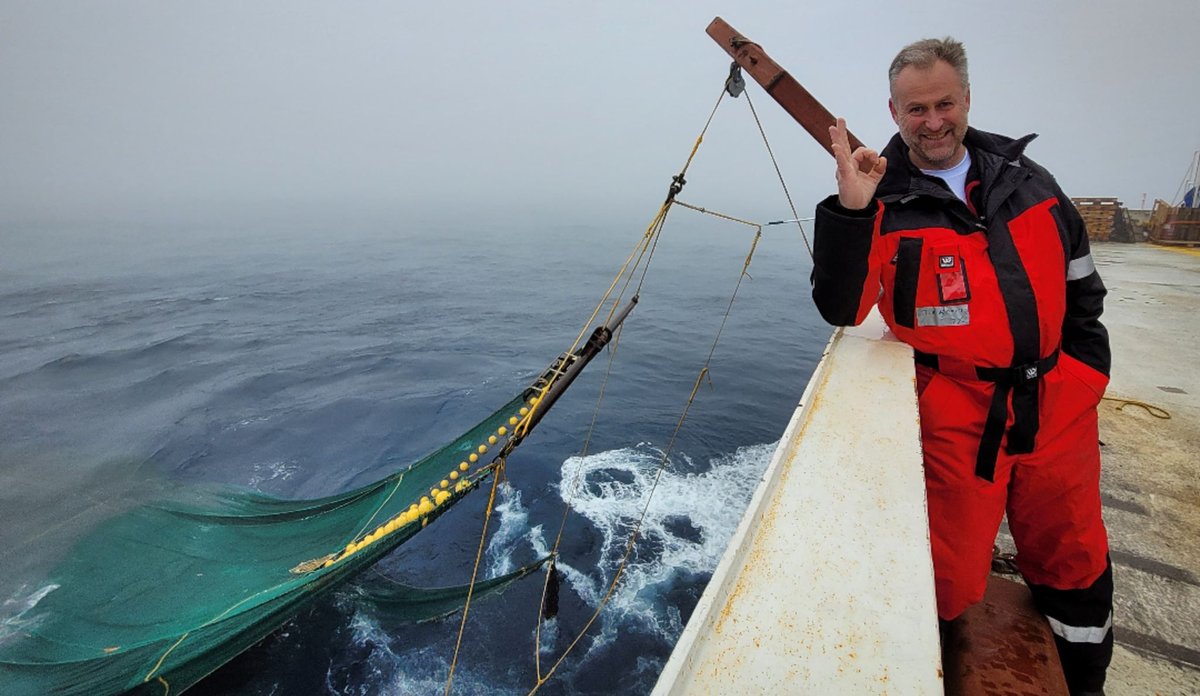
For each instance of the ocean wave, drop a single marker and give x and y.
(419, 671)
(686, 526)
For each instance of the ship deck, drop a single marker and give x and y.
(1150, 481)
(826, 586)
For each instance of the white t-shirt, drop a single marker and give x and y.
(955, 177)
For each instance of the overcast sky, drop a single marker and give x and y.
(128, 110)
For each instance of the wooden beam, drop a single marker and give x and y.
(782, 87)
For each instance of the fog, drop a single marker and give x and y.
(172, 112)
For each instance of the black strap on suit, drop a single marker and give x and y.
(1022, 382)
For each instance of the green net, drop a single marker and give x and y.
(403, 603)
(156, 598)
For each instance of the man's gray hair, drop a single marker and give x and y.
(924, 53)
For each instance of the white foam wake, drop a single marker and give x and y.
(687, 523)
(686, 528)
(417, 671)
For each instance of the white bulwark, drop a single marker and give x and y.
(827, 584)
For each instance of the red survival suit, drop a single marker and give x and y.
(1000, 300)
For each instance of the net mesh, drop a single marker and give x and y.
(155, 599)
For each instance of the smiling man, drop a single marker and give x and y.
(978, 260)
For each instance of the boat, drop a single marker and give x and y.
(826, 587)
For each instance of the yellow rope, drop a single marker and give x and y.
(641, 257)
(629, 543)
(487, 516)
(587, 440)
(714, 213)
(634, 533)
(638, 252)
(644, 250)
(1156, 411)
(679, 181)
(159, 664)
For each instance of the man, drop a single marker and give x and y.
(978, 260)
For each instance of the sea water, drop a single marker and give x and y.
(305, 359)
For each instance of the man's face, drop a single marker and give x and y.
(929, 105)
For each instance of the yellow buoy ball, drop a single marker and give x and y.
(391, 526)
(412, 510)
(426, 506)
(502, 430)
(453, 475)
(474, 457)
(534, 401)
(513, 420)
(523, 411)
(444, 483)
(482, 449)
(350, 548)
(491, 439)
(463, 466)
(433, 492)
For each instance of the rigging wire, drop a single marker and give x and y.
(640, 257)
(649, 243)
(662, 465)
(487, 516)
(643, 250)
(1189, 179)
(704, 373)
(775, 163)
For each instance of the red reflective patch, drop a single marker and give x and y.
(952, 287)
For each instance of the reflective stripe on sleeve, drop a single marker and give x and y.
(1080, 634)
(1081, 267)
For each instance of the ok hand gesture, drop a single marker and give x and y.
(858, 172)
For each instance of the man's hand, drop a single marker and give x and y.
(858, 172)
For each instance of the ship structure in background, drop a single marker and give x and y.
(1179, 224)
